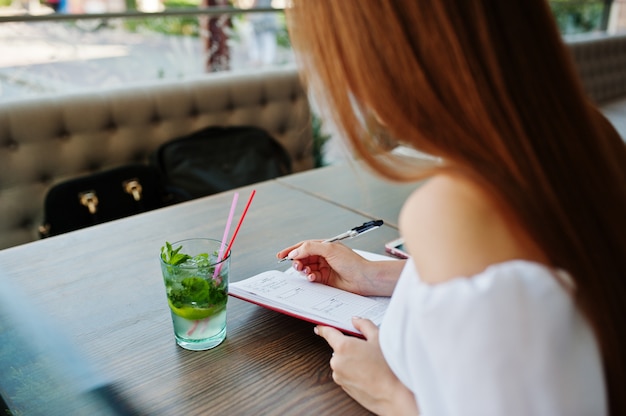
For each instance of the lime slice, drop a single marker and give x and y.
(193, 313)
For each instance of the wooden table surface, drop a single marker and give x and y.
(103, 286)
(352, 186)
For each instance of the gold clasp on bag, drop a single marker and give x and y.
(90, 200)
(133, 187)
(44, 230)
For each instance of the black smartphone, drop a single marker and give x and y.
(396, 248)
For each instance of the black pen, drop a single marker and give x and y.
(354, 232)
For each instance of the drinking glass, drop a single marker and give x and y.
(196, 285)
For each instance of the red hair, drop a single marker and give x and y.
(489, 87)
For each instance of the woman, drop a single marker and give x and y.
(513, 299)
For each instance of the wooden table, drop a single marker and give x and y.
(103, 286)
(351, 186)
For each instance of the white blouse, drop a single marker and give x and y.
(507, 341)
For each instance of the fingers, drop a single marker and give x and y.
(312, 268)
(367, 327)
(295, 251)
(308, 258)
(333, 336)
(342, 351)
(311, 276)
(314, 277)
(284, 252)
(310, 248)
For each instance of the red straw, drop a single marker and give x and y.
(239, 224)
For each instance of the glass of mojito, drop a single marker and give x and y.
(195, 272)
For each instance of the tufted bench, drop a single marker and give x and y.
(601, 63)
(46, 140)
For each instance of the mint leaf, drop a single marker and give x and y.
(172, 256)
(199, 290)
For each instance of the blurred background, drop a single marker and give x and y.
(59, 46)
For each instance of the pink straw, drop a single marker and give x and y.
(226, 230)
(216, 272)
(240, 221)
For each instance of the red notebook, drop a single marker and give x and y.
(291, 293)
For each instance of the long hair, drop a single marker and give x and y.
(489, 87)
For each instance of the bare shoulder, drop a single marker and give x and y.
(452, 229)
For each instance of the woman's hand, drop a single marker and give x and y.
(361, 370)
(336, 265)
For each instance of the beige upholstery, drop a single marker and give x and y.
(601, 62)
(46, 140)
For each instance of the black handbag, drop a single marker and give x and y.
(217, 159)
(100, 197)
